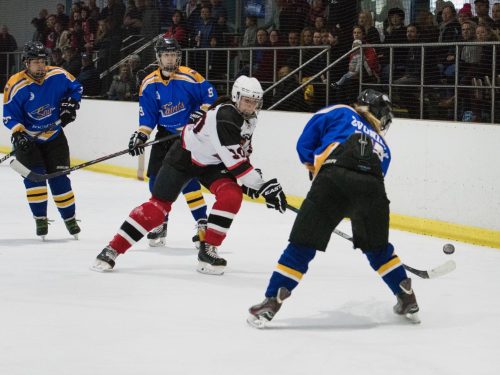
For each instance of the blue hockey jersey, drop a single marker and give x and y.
(168, 103)
(34, 106)
(332, 126)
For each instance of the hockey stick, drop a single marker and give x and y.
(36, 177)
(50, 128)
(438, 271)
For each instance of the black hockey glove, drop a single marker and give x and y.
(198, 119)
(68, 111)
(272, 192)
(135, 145)
(21, 140)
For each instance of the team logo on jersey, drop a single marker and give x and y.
(41, 112)
(32, 96)
(170, 109)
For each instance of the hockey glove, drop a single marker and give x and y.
(272, 192)
(198, 119)
(135, 145)
(68, 111)
(20, 140)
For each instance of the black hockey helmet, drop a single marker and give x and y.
(34, 50)
(165, 44)
(379, 105)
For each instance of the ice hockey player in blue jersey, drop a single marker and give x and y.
(344, 149)
(38, 102)
(167, 98)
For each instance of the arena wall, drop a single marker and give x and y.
(444, 179)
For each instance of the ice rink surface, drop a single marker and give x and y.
(156, 315)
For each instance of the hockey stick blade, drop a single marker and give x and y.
(438, 271)
(37, 177)
(50, 128)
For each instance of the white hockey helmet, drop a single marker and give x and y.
(248, 87)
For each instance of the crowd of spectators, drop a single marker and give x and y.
(86, 41)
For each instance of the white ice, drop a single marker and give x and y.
(156, 315)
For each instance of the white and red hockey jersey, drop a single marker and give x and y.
(224, 136)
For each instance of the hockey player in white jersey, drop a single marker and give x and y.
(214, 148)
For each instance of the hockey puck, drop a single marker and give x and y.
(448, 248)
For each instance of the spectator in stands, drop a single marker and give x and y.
(275, 41)
(320, 24)
(64, 39)
(72, 61)
(249, 38)
(296, 101)
(438, 10)
(150, 20)
(429, 33)
(347, 86)
(318, 9)
(293, 54)
(121, 87)
(263, 59)
(365, 20)
(449, 31)
(216, 59)
(204, 28)
(395, 33)
(218, 9)
(78, 37)
(132, 22)
(194, 18)
(177, 30)
(190, 7)
(94, 11)
(482, 13)
(61, 16)
(40, 25)
(7, 44)
(464, 14)
(89, 77)
(75, 16)
(409, 98)
(496, 18)
(50, 36)
(56, 58)
(113, 13)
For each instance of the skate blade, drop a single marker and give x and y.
(42, 237)
(100, 266)
(257, 322)
(208, 269)
(75, 236)
(158, 242)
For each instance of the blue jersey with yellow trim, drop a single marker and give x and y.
(334, 125)
(168, 103)
(34, 106)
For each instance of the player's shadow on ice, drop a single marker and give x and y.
(32, 241)
(337, 320)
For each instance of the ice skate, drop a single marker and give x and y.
(158, 236)
(201, 228)
(407, 303)
(42, 227)
(105, 261)
(72, 226)
(209, 261)
(265, 311)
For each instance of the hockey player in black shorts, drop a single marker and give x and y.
(38, 102)
(346, 154)
(216, 150)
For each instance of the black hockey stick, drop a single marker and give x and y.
(50, 128)
(438, 271)
(36, 177)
